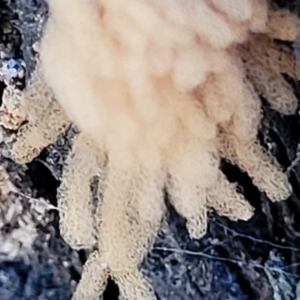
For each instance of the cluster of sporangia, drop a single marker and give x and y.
(161, 91)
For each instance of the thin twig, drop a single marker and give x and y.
(216, 258)
(256, 239)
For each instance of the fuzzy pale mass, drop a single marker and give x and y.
(161, 91)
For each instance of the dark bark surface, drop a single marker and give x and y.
(259, 259)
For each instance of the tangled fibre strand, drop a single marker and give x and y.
(160, 91)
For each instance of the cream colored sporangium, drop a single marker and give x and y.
(161, 91)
